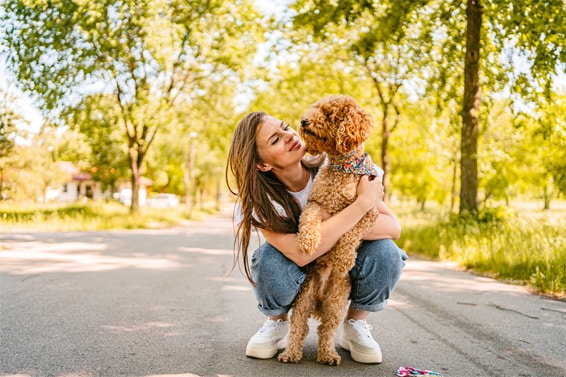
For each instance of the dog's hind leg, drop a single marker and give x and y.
(302, 310)
(332, 311)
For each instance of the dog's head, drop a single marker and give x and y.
(336, 125)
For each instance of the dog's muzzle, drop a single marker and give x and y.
(304, 125)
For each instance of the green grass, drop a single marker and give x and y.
(521, 247)
(86, 217)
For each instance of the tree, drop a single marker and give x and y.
(542, 154)
(422, 154)
(36, 169)
(149, 57)
(554, 128)
(471, 109)
(531, 30)
(501, 31)
(382, 41)
(97, 119)
(189, 156)
(10, 118)
(498, 163)
(294, 85)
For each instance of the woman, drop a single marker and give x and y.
(273, 178)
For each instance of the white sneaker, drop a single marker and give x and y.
(271, 337)
(357, 339)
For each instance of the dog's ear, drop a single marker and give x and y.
(354, 129)
(345, 139)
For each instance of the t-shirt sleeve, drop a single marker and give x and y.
(238, 217)
(379, 171)
(238, 214)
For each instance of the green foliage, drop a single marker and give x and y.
(382, 41)
(423, 153)
(148, 58)
(495, 242)
(297, 85)
(9, 117)
(134, 75)
(551, 134)
(97, 119)
(33, 168)
(13, 119)
(535, 28)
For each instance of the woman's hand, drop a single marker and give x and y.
(370, 192)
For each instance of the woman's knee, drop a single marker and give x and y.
(381, 257)
(376, 274)
(269, 265)
(277, 279)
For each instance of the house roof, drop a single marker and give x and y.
(77, 175)
(74, 171)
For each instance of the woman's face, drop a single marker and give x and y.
(278, 145)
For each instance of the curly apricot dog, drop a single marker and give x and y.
(338, 126)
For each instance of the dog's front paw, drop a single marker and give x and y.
(288, 356)
(330, 358)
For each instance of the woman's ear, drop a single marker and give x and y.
(263, 167)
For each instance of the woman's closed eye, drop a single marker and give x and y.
(284, 127)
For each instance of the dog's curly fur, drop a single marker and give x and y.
(338, 126)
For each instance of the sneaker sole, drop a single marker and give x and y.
(361, 356)
(264, 352)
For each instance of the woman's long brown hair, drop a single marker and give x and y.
(256, 191)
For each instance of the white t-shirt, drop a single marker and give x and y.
(301, 196)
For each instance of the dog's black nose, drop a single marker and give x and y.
(304, 123)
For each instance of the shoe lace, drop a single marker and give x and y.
(361, 328)
(271, 325)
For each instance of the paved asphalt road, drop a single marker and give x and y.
(164, 304)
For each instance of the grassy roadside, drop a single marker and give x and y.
(88, 217)
(513, 245)
(519, 245)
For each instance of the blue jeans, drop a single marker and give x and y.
(374, 276)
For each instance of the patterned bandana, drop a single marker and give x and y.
(360, 166)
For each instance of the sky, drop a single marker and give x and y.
(272, 6)
(31, 114)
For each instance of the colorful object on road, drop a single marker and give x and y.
(410, 371)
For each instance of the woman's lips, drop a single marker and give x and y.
(296, 145)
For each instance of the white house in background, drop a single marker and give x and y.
(124, 191)
(79, 186)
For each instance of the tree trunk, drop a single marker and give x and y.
(547, 197)
(1, 184)
(135, 166)
(470, 111)
(453, 192)
(385, 133)
(188, 176)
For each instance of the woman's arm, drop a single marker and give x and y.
(386, 225)
(369, 194)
